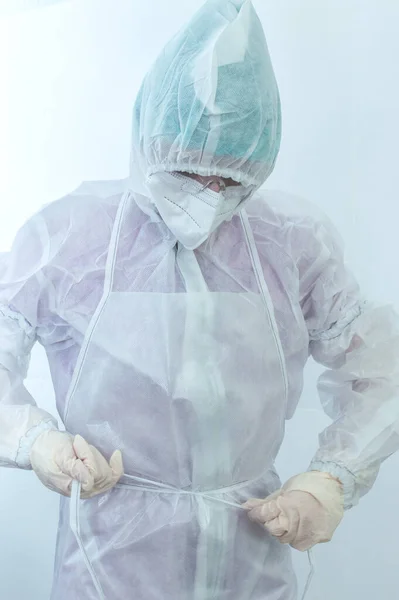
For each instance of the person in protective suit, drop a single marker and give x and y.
(178, 309)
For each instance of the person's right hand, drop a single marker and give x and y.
(58, 458)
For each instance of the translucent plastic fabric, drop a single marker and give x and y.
(21, 421)
(360, 393)
(52, 281)
(53, 278)
(210, 104)
(184, 384)
(139, 485)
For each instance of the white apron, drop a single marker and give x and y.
(191, 386)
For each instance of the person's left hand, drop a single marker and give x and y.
(306, 511)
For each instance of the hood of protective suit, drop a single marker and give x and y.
(210, 103)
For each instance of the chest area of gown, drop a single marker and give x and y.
(224, 264)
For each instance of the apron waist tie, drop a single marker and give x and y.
(147, 485)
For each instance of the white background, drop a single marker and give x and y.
(69, 74)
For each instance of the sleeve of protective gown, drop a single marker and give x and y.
(359, 343)
(21, 307)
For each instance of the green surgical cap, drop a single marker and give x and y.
(210, 103)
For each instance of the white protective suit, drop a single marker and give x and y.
(189, 361)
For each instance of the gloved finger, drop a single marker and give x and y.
(252, 503)
(303, 545)
(116, 464)
(290, 520)
(70, 467)
(83, 451)
(102, 472)
(109, 477)
(81, 473)
(278, 527)
(265, 512)
(112, 472)
(105, 474)
(90, 457)
(63, 490)
(59, 482)
(84, 463)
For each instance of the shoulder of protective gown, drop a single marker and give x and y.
(298, 227)
(80, 220)
(90, 196)
(281, 208)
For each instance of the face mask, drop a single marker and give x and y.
(191, 210)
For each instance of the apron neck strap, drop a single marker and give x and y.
(264, 290)
(113, 245)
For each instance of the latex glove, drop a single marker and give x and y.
(306, 511)
(58, 458)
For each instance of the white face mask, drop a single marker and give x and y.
(190, 209)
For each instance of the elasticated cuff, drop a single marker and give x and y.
(337, 328)
(345, 476)
(25, 445)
